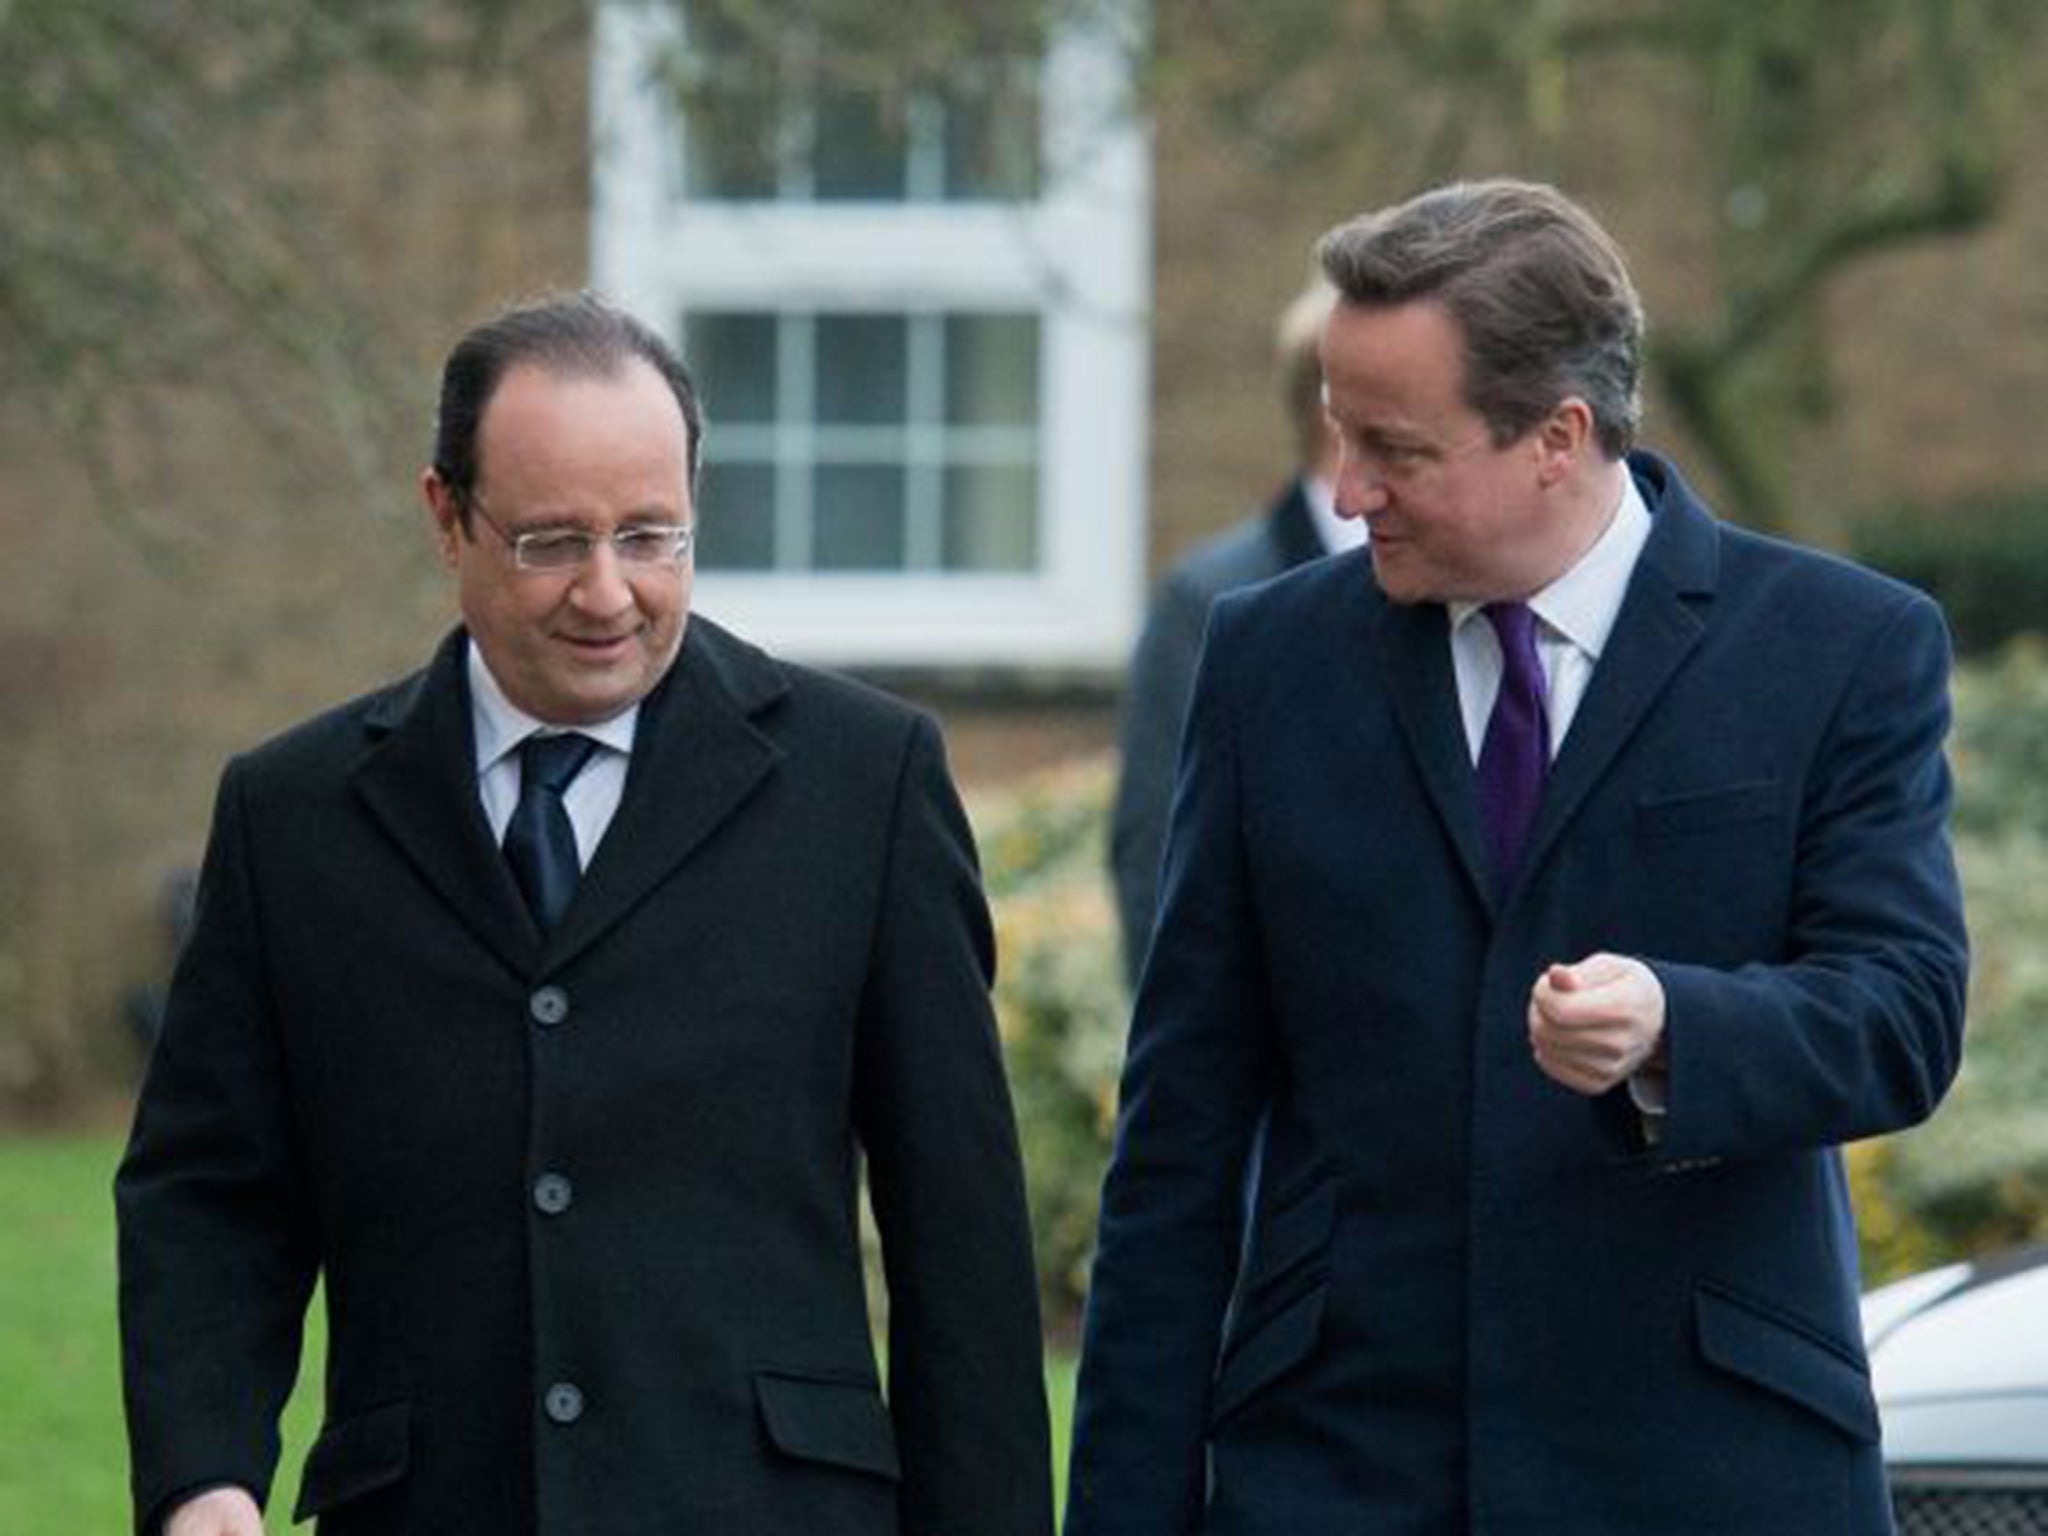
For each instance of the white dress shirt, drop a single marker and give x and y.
(592, 797)
(1574, 614)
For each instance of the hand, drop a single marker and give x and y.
(1597, 1023)
(216, 1512)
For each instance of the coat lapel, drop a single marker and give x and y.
(419, 782)
(697, 756)
(1658, 626)
(1415, 650)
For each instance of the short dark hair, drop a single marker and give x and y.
(1538, 288)
(574, 334)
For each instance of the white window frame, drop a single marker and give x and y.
(1079, 257)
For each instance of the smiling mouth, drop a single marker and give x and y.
(597, 644)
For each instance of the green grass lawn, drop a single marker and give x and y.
(63, 1465)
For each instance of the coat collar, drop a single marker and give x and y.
(697, 755)
(1415, 653)
(1661, 619)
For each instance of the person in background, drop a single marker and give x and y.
(1300, 524)
(546, 1005)
(1553, 887)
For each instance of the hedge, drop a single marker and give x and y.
(1986, 560)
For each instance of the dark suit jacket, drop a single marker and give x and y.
(1161, 677)
(1471, 1299)
(622, 1161)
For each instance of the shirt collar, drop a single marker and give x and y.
(501, 725)
(1583, 603)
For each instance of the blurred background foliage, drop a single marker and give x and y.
(160, 196)
(1061, 1003)
(163, 220)
(1973, 1179)
(1984, 558)
(190, 196)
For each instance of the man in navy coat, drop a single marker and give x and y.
(1561, 880)
(573, 1131)
(1300, 524)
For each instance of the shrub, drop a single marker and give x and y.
(1975, 1177)
(1986, 560)
(1061, 1005)
(2000, 743)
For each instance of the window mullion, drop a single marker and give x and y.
(924, 436)
(796, 443)
(925, 145)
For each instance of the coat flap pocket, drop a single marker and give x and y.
(841, 1422)
(1792, 1359)
(1292, 1236)
(1703, 810)
(355, 1456)
(1266, 1349)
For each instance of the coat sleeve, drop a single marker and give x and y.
(216, 1245)
(1858, 1030)
(966, 1360)
(1194, 1086)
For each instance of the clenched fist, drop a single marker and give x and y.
(1596, 1023)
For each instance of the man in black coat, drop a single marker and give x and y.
(1300, 524)
(572, 1131)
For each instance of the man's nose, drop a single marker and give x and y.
(601, 586)
(1361, 489)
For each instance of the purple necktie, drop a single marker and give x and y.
(1516, 753)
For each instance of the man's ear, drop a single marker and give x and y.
(1562, 440)
(444, 506)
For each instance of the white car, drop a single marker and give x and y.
(1959, 1360)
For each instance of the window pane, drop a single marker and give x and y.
(732, 140)
(736, 517)
(991, 517)
(992, 135)
(731, 148)
(862, 362)
(992, 370)
(860, 149)
(859, 517)
(732, 95)
(732, 358)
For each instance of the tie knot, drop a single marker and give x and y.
(1513, 623)
(551, 762)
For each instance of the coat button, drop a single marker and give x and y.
(549, 1006)
(552, 1194)
(564, 1402)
